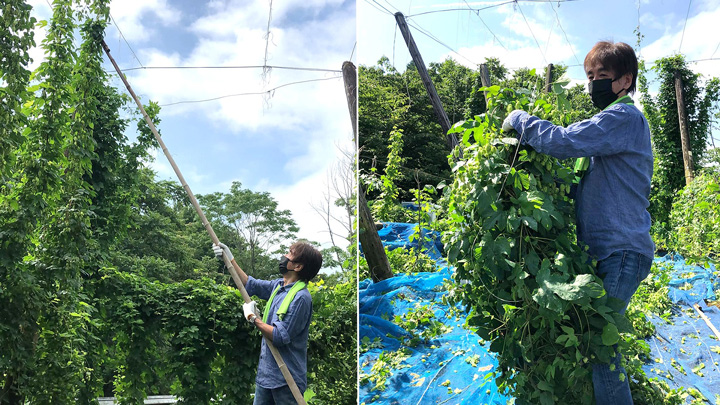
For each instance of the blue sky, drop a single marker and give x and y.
(285, 142)
(527, 33)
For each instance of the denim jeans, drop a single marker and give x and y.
(275, 396)
(622, 273)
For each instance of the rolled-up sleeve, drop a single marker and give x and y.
(294, 321)
(260, 288)
(604, 134)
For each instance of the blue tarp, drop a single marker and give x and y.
(448, 369)
(453, 367)
(687, 343)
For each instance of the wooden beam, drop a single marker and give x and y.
(684, 136)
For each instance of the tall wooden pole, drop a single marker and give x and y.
(420, 65)
(485, 80)
(372, 247)
(684, 136)
(231, 265)
(548, 78)
(369, 239)
(350, 79)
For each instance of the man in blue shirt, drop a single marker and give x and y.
(285, 322)
(612, 196)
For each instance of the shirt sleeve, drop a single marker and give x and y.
(294, 321)
(604, 134)
(260, 288)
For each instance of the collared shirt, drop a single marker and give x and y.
(613, 195)
(290, 336)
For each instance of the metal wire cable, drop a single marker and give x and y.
(258, 93)
(124, 39)
(307, 69)
(684, 25)
(565, 34)
(531, 32)
(477, 13)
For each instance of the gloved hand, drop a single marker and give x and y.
(251, 311)
(506, 125)
(220, 249)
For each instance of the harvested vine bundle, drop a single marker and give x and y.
(530, 289)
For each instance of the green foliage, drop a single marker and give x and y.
(701, 99)
(402, 261)
(695, 217)
(250, 223)
(389, 99)
(387, 207)
(332, 350)
(190, 333)
(529, 288)
(107, 283)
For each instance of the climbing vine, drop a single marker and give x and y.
(701, 100)
(529, 287)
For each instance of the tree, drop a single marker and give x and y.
(340, 192)
(253, 226)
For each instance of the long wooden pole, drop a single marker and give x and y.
(350, 80)
(420, 65)
(485, 80)
(368, 237)
(231, 265)
(684, 136)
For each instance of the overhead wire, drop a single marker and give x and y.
(125, 39)
(564, 33)
(307, 69)
(382, 8)
(258, 93)
(531, 32)
(477, 13)
(353, 51)
(267, 41)
(684, 25)
(716, 49)
(431, 36)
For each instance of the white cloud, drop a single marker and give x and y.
(699, 41)
(129, 14)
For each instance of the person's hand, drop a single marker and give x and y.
(506, 125)
(251, 311)
(219, 249)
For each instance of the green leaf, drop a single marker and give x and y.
(610, 335)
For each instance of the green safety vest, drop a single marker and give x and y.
(285, 303)
(582, 164)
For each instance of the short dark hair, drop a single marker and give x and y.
(309, 257)
(617, 57)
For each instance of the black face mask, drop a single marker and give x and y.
(601, 92)
(283, 265)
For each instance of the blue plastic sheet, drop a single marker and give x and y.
(451, 368)
(687, 343)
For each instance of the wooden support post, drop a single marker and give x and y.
(231, 265)
(370, 241)
(684, 136)
(420, 65)
(350, 79)
(548, 78)
(485, 80)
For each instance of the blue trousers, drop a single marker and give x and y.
(622, 272)
(275, 396)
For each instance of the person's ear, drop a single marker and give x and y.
(298, 267)
(626, 81)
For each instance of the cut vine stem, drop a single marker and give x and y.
(231, 265)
